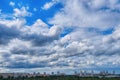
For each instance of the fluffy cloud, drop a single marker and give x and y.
(110, 4)
(21, 12)
(28, 41)
(49, 4)
(87, 13)
(40, 45)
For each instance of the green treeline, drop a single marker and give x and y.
(57, 78)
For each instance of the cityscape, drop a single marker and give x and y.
(80, 74)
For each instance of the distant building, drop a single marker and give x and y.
(113, 72)
(52, 73)
(58, 73)
(81, 74)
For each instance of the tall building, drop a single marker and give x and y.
(52, 73)
(75, 72)
(58, 73)
(113, 72)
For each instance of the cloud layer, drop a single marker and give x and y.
(40, 45)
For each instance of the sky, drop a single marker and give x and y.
(64, 35)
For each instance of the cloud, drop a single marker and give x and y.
(27, 41)
(37, 36)
(34, 9)
(22, 12)
(7, 33)
(12, 4)
(40, 45)
(84, 13)
(37, 48)
(48, 5)
(110, 5)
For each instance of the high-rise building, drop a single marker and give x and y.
(113, 72)
(58, 73)
(52, 73)
(75, 72)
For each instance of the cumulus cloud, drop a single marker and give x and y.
(7, 33)
(40, 45)
(86, 13)
(22, 12)
(27, 41)
(111, 4)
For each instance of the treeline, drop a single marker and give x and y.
(58, 78)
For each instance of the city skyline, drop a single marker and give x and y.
(59, 35)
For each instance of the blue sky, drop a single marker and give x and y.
(40, 35)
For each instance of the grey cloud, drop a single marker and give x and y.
(80, 49)
(7, 34)
(39, 40)
(42, 39)
(32, 51)
(27, 65)
(20, 41)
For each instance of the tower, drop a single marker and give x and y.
(52, 73)
(58, 73)
(113, 72)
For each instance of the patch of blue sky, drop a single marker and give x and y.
(102, 32)
(30, 3)
(108, 31)
(44, 15)
(106, 8)
(98, 69)
(5, 7)
(116, 10)
(66, 31)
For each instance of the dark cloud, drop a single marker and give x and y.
(39, 40)
(8, 33)
(27, 65)
(32, 51)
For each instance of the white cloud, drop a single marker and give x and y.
(55, 30)
(80, 13)
(49, 4)
(17, 23)
(12, 4)
(112, 4)
(22, 12)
